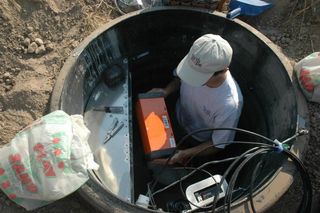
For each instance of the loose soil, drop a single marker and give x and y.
(36, 37)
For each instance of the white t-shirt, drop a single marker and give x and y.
(205, 107)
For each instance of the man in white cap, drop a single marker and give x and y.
(209, 96)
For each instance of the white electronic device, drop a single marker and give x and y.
(202, 193)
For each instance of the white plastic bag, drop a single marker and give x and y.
(46, 161)
(308, 73)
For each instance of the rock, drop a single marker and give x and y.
(26, 42)
(39, 41)
(288, 40)
(25, 50)
(74, 44)
(30, 29)
(57, 18)
(20, 37)
(8, 88)
(32, 47)
(40, 49)
(279, 38)
(31, 36)
(1, 80)
(6, 75)
(8, 81)
(273, 38)
(50, 46)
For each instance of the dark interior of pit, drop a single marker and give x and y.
(153, 44)
(146, 74)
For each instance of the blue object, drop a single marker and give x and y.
(279, 147)
(247, 7)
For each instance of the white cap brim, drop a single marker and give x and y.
(191, 76)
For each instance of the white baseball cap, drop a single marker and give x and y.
(208, 54)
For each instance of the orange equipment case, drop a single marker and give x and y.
(155, 126)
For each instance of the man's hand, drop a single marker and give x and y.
(169, 89)
(159, 90)
(204, 149)
(181, 157)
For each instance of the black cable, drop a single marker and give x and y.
(210, 162)
(305, 203)
(257, 189)
(206, 164)
(208, 207)
(191, 173)
(232, 181)
(307, 183)
(204, 130)
(221, 181)
(225, 174)
(300, 132)
(216, 196)
(253, 179)
(253, 155)
(226, 128)
(226, 143)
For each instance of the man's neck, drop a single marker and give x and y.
(217, 81)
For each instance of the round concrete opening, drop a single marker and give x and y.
(149, 44)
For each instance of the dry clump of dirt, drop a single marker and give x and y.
(36, 36)
(295, 27)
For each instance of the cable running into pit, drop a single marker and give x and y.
(272, 146)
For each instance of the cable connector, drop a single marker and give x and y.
(303, 132)
(143, 201)
(279, 147)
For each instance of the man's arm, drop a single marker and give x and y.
(204, 149)
(169, 89)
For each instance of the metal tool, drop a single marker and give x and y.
(113, 130)
(111, 109)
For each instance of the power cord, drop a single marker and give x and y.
(204, 130)
(263, 148)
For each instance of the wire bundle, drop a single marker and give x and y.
(260, 150)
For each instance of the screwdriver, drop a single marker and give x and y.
(111, 109)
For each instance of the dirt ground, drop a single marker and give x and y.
(36, 37)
